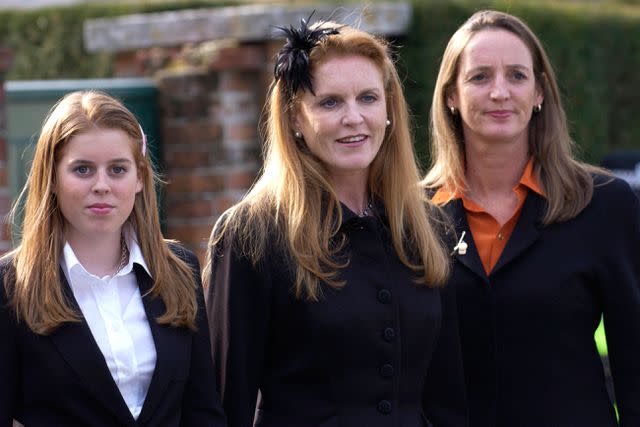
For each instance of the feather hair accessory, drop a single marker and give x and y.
(292, 62)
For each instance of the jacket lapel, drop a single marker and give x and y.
(77, 346)
(471, 259)
(527, 230)
(168, 342)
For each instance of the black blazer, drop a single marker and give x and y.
(63, 380)
(382, 351)
(527, 329)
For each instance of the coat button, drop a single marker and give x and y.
(386, 370)
(384, 407)
(384, 296)
(389, 334)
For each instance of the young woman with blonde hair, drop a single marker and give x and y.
(325, 280)
(102, 319)
(551, 243)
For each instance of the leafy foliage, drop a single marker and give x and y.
(48, 43)
(594, 48)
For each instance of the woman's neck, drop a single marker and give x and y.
(494, 169)
(100, 255)
(351, 189)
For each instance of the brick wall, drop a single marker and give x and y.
(5, 202)
(211, 150)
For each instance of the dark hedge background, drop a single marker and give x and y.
(594, 47)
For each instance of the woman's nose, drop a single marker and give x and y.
(101, 183)
(352, 115)
(499, 89)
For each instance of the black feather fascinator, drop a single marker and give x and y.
(292, 62)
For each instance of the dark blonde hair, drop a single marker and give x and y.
(33, 280)
(567, 182)
(293, 194)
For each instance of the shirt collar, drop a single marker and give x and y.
(69, 259)
(528, 179)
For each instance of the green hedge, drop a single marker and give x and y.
(48, 43)
(595, 50)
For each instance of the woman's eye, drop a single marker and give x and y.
(329, 103)
(118, 170)
(369, 99)
(518, 75)
(82, 170)
(478, 77)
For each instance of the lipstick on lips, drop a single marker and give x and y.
(100, 208)
(352, 140)
(499, 114)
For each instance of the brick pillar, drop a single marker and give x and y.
(5, 199)
(210, 140)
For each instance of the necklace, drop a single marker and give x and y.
(124, 255)
(368, 210)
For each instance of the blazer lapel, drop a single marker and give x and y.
(77, 346)
(168, 342)
(527, 230)
(471, 259)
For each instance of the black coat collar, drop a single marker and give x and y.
(527, 231)
(76, 344)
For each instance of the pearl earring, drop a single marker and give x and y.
(297, 134)
(388, 122)
(537, 108)
(453, 110)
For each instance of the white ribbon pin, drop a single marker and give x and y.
(462, 246)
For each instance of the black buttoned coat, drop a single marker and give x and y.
(381, 351)
(63, 380)
(527, 328)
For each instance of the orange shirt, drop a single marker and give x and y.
(489, 236)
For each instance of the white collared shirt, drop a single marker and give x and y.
(113, 309)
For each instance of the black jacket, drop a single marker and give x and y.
(382, 351)
(527, 329)
(63, 380)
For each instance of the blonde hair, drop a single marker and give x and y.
(567, 182)
(33, 281)
(294, 196)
